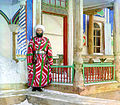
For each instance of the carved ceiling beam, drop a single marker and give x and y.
(92, 12)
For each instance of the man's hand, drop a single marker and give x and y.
(34, 61)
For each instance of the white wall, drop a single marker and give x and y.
(5, 38)
(70, 32)
(12, 72)
(54, 31)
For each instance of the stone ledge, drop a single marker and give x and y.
(87, 90)
(100, 88)
(64, 88)
(12, 86)
(11, 100)
(50, 97)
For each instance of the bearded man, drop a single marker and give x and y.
(39, 60)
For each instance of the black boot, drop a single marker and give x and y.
(34, 89)
(39, 89)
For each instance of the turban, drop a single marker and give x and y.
(41, 27)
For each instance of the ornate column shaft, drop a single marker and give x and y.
(116, 38)
(78, 41)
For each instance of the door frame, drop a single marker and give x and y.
(65, 35)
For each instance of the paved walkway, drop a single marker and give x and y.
(49, 97)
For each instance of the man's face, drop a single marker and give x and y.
(39, 30)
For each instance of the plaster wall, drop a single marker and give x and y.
(10, 71)
(54, 31)
(5, 31)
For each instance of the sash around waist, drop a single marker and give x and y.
(40, 52)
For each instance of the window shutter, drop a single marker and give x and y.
(107, 31)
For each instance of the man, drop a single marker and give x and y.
(39, 60)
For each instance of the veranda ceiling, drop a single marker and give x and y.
(96, 4)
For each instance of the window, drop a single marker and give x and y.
(97, 38)
(61, 3)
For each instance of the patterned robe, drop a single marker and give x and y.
(39, 74)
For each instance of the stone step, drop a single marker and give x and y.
(50, 97)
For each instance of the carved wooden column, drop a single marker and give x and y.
(78, 41)
(116, 38)
(90, 35)
(14, 46)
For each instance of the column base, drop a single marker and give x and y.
(78, 79)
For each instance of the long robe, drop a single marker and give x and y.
(39, 74)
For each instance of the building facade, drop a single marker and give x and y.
(79, 34)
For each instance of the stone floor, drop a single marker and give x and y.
(114, 95)
(50, 97)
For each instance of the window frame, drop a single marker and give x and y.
(101, 46)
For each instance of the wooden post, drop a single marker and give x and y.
(65, 38)
(14, 45)
(78, 41)
(38, 12)
(90, 35)
(116, 38)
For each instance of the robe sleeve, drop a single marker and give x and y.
(30, 55)
(50, 56)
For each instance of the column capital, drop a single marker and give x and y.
(13, 27)
(116, 53)
(22, 2)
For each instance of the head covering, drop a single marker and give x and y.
(41, 27)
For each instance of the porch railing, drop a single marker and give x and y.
(56, 3)
(98, 72)
(62, 74)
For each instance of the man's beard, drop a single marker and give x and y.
(39, 35)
